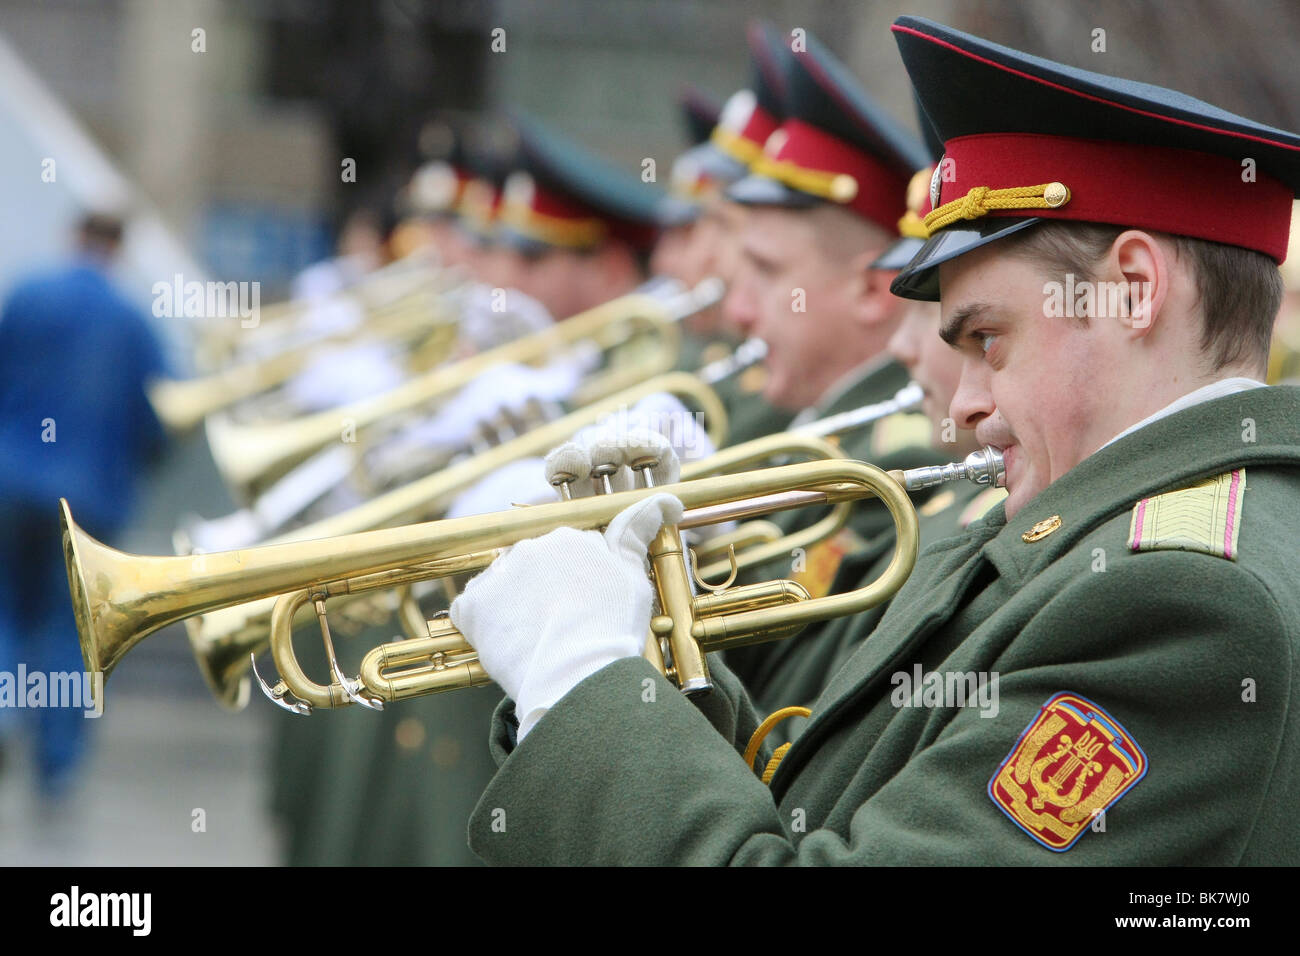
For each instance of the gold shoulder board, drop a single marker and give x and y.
(1205, 517)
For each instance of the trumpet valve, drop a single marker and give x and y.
(565, 465)
(650, 454)
(607, 457)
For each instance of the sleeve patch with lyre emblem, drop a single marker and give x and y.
(898, 431)
(1071, 763)
(1205, 517)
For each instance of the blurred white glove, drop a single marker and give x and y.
(504, 386)
(344, 374)
(553, 610)
(491, 317)
(663, 413)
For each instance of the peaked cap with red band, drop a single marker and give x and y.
(688, 180)
(491, 152)
(436, 185)
(835, 145)
(563, 196)
(1027, 139)
(749, 116)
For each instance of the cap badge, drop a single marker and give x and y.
(776, 142)
(936, 184)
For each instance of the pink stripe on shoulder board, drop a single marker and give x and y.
(1232, 513)
(1137, 525)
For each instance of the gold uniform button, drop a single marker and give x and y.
(409, 734)
(446, 752)
(1056, 194)
(843, 188)
(1041, 530)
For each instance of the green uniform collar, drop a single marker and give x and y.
(1173, 452)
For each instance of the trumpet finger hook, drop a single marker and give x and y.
(277, 693)
(715, 588)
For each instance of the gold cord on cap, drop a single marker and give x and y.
(981, 199)
(837, 187)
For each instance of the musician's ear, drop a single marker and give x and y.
(874, 304)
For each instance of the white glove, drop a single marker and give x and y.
(553, 610)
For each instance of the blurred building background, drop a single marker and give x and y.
(221, 125)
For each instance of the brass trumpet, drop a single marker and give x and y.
(119, 599)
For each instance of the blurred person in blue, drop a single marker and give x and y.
(75, 355)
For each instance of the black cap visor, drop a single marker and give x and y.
(919, 278)
(675, 212)
(897, 255)
(716, 164)
(762, 191)
(527, 246)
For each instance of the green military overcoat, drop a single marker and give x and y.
(1146, 654)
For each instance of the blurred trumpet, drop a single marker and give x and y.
(393, 461)
(418, 322)
(287, 325)
(249, 457)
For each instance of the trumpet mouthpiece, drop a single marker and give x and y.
(983, 467)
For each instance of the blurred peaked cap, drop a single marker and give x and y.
(699, 113)
(911, 227)
(435, 189)
(490, 150)
(565, 196)
(769, 52)
(835, 144)
(439, 139)
(750, 115)
(1086, 147)
(440, 175)
(707, 164)
(677, 211)
(702, 169)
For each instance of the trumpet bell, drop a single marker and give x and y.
(223, 664)
(115, 599)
